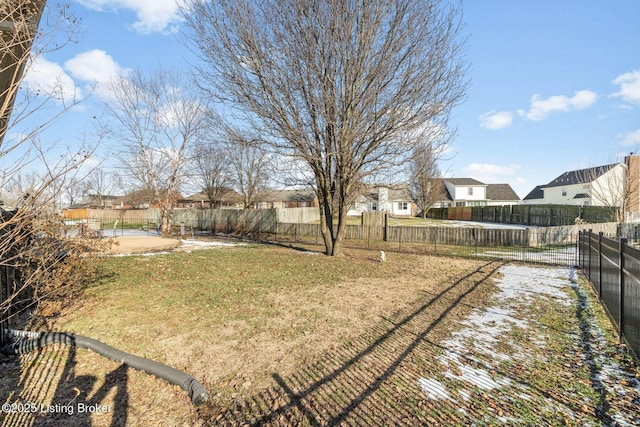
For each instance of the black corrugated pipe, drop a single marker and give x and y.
(24, 342)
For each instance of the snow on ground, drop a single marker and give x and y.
(475, 224)
(191, 244)
(484, 329)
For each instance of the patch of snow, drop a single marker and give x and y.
(434, 389)
(477, 377)
(522, 283)
(197, 244)
(485, 328)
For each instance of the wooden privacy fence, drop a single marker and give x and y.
(374, 227)
(537, 215)
(463, 236)
(241, 221)
(613, 269)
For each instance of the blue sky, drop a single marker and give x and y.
(555, 86)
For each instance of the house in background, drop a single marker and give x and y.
(457, 192)
(99, 201)
(280, 199)
(393, 199)
(141, 199)
(595, 186)
(227, 199)
(465, 191)
(501, 195)
(534, 197)
(632, 205)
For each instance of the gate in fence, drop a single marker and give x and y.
(613, 269)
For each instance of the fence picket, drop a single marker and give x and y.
(616, 281)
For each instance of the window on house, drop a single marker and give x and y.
(470, 191)
(402, 206)
(564, 192)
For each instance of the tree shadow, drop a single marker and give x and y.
(391, 374)
(371, 380)
(43, 388)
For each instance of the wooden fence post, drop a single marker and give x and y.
(386, 227)
(622, 244)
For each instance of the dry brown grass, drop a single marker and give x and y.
(236, 319)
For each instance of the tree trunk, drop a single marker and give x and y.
(326, 228)
(166, 225)
(342, 230)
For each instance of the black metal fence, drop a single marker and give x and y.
(613, 269)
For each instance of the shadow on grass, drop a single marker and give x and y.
(586, 342)
(372, 380)
(42, 388)
(402, 372)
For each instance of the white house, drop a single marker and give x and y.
(471, 192)
(595, 186)
(395, 200)
(466, 191)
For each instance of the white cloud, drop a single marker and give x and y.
(541, 108)
(629, 86)
(48, 78)
(93, 66)
(496, 119)
(631, 138)
(488, 172)
(153, 15)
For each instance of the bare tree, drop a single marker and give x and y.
(36, 261)
(344, 86)
(212, 170)
(155, 119)
(424, 174)
(425, 183)
(99, 184)
(249, 166)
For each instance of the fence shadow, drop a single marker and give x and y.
(43, 388)
(373, 379)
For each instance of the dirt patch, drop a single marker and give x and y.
(125, 245)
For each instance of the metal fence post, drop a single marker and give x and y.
(4, 323)
(589, 255)
(581, 250)
(622, 244)
(600, 264)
